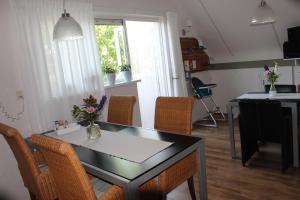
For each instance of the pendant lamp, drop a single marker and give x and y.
(263, 15)
(67, 28)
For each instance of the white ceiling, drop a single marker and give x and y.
(232, 18)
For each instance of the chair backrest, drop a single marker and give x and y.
(200, 93)
(69, 176)
(120, 109)
(282, 88)
(196, 83)
(249, 129)
(27, 166)
(174, 114)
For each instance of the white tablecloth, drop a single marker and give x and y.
(267, 96)
(132, 148)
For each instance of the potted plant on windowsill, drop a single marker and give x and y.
(126, 72)
(110, 74)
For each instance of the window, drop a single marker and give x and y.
(112, 45)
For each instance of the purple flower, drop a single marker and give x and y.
(266, 67)
(101, 103)
(266, 73)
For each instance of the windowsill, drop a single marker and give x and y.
(120, 84)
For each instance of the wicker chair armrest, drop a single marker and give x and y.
(178, 173)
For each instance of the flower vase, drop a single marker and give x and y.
(272, 91)
(93, 131)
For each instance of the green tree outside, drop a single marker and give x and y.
(107, 45)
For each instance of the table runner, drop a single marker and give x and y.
(267, 96)
(132, 148)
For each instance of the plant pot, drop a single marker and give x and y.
(127, 75)
(111, 78)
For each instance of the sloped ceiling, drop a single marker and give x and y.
(232, 18)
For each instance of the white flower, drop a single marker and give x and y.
(276, 68)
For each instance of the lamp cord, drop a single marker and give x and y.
(277, 37)
(9, 116)
(64, 4)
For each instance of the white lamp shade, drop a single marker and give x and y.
(67, 28)
(263, 15)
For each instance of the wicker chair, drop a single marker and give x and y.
(71, 179)
(36, 178)
(120, 109)
(174, 114)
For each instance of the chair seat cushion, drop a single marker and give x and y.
(204, 92)
(100, 186)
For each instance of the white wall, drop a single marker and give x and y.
(134, 6)
(11, 184)
(232, 83)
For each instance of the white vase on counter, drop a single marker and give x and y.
(272, 91)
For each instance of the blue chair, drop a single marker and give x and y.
(202, 91)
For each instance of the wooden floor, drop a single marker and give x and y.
(261, 179)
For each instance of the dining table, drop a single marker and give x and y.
(132, 171)
(287, 100)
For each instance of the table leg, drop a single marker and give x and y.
(131, 192)
(230, 105)
(294, 109)
(202, 171)
(295, 134)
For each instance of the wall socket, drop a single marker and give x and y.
(19, 94)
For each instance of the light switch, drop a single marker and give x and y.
(19, 94)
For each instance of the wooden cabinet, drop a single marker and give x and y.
(194, 57)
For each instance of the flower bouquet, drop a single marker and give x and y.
(272, 76)
(88, 113)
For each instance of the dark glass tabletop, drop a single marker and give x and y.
(128, 169)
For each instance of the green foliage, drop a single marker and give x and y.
(83, 117)
(126, 67)
(273, 76)
(109, 70)
(105, 35)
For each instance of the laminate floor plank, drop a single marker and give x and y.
(227, 179)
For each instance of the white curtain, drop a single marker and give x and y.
(147, 59)
(175, 56)
(56, 75)
(147, 55)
